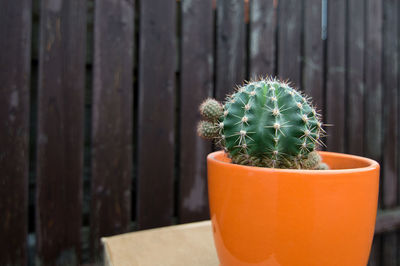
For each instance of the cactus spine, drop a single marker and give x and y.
(265, 123)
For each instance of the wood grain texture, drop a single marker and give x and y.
(230, 46)
(390, 108)
(389, 249)
(335, 80)
(355, 77)
(313, 61)
(289, 41)
(390, 122)
(112, 120)
(375, 254)
(384, 250)
(196, 85)
(156, 136)
(373, 80)
(15, 29)
(262, 38)
(388, 220)
(60, 131)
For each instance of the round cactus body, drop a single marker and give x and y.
(271, 121)
(267, 123)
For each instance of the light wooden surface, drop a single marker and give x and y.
(187, 244)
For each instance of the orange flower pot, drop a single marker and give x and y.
(264, 216)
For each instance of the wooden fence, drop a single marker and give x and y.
(98, 108)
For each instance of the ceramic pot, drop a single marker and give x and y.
(264, 216)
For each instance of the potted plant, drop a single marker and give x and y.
(275, 199)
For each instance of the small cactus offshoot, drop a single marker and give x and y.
(265, 123)
(210, 109)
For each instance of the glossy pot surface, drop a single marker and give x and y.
(264, 216)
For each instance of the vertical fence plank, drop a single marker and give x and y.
(389, 250)
(390, 121)
(313, 61)
(112, 120)
(373, 80)
(289, 41)
(60, 131)
(230, 46)
(335, 80)
(262, 38)
(157, 57)
(355, 77)
(375, 255)
(196, 85)
(390, 115)
(373, 97)
(15, 29)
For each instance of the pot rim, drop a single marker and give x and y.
(371, 164)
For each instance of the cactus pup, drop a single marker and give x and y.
(265, 123)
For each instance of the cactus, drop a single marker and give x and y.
(265, 123)
(207, 130)
(211, 109)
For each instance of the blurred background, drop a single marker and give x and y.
(98, 108)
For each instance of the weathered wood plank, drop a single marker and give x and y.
(230, 46)
(262, 38)
(157, 55)
(335, 77)
(196, 85)
(15, 29)
(385, 245)
(289, 41)
(387, 220)
(355, 77)
(60, 131)
(112, 117)
(375, 254)
(390, 122)
(389, 249)
(373, 80)
(390, 108)
(313, 61)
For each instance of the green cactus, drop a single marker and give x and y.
(265, 123)
(207, 130)
(211, 109)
